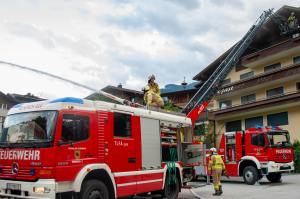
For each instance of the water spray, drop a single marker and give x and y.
(123, 101)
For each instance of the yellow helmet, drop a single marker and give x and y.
(213, 150)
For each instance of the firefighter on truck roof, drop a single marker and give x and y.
(217, 165)
(151, 98)
(152, 85)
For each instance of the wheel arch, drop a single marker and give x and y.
(247, 161)
(98, 172)
(178, 175)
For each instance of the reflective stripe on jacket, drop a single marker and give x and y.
(154, 87)
(216, 162)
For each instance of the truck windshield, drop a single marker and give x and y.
(29, 130)
(279, 139)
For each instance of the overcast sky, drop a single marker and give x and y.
(100, 43)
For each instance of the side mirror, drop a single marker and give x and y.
(265, 147)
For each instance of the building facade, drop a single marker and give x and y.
(263, 88)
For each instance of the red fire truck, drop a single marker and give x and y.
(78, 148)
(260, 151)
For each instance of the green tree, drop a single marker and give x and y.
(170, 107)
(205, 132)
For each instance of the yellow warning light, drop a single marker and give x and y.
(70, 107)
(88, 170)
(250, 158)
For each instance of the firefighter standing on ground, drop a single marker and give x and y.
(151, 98)
(152, 85)
(217, 165)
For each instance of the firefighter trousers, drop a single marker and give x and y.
(157, 104)
(216, 174)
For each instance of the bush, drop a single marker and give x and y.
(296, 148)
(297, 160)
(170, 107)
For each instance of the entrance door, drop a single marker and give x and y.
(258, 147)
(76, 145)
(124, 154)
(124, 159)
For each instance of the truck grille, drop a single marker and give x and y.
(283, 157)
(23, 173)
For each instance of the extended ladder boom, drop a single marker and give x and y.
(208, 90)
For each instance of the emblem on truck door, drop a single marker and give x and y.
(15, 168)
(77, 154)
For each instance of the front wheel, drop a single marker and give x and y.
(274, 177)
(250, 175)
(171, 190)
(93, 189)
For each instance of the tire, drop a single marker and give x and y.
(274, 177)
(170, 191)
(93, 189)
(250, 175)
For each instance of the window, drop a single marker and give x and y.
(249, 74)
(274, 91)
(122, 125)
(134, 99)
(298, 86)
(75, 128)
(296, 59)
(251, 122)
(227, 81)
(224, 104)
(278, 119)
(3, 106)
(248, 98)
(258, 140)
(234, 126)
(273, 66)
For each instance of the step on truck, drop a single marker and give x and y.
(257, 152)
(76, 148)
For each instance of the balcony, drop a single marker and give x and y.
(272, 53)
(272, 77)
(274, 102)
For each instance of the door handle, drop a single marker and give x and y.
(89, 154)
(131, 160)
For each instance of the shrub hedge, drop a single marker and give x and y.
(296, 148)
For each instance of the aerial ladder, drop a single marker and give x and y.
(206, 93)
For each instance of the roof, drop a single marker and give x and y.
(25, 98)
(179, 92)
(122, 89)
(268, 35)
(8, 98)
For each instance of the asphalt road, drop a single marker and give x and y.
(236, 188)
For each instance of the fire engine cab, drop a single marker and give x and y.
(260, 151)
(78, 148)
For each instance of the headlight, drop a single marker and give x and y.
(41, 190)
(274, 166)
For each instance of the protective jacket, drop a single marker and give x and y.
(154, 87)
(291, 18)
(152, 99)
(217, 165)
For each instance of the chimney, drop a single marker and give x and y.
(120, 85)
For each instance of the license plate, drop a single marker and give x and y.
(14, 186)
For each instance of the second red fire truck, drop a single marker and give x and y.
(260, 151)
